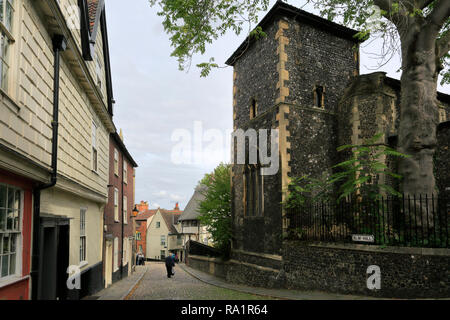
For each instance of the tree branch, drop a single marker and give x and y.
(422, 4)
(443, 45)
(440, 14)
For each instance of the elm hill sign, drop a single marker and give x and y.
(363, 238)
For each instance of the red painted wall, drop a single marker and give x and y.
(20, 290)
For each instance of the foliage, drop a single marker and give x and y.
(358, 175)
(215, 209)
(192, 24)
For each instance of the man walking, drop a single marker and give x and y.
(170, 263)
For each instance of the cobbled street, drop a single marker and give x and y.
(156, 285)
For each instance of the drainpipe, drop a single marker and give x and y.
(121, 263)
(59, 45)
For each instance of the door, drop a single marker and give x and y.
(130, 255)
(108, 261)
(53, 259)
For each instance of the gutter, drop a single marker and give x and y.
(59, 45)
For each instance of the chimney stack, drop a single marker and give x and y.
(143, 206)
(177, 208)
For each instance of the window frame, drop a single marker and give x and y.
(116, 162)
(163, 240)
(83, 237)
(7, 37)
(94, 149)
(125, 171)
(125, 209)
(158, 225)
(116, 205)
(17, 232)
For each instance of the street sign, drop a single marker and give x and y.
(363, 237)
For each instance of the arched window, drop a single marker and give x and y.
(319, 97)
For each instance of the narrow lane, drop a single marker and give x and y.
(156, 286)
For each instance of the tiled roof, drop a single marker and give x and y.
(191, 211)
(92, 8)
(171, 218)
(145, 215)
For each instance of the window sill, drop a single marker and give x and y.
(83, 264)
(16, 108)
(96, 172)
(7, 281)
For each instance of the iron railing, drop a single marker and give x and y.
(413, 221)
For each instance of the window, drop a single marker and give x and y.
(253, 109)
(125, 171)
(125, 255)
(116, 254)
(194, 223)
(6, 21)
(158, 224)
(319, 97)
(94, 146)
(253, 191)
(116, 205)
(140, 249)
(138, 235)
(10, 233)
(163, 240)
(82, 235)
(163, 254)
(99, 71)
(125, 211)
(179, 240)
(116, 162)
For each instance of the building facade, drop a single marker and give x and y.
(190, 226)
(55, 120)
(303, 80)
(118, 256)
(142, 221)
(163, 235)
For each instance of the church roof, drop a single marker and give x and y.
(286, 10)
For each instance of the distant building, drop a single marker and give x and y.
(163, 234)
(189, 224)
(118, 254)
(143, 220)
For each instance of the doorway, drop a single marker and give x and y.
(108, 263)
(53, 258)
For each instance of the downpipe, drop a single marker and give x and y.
(59, 45)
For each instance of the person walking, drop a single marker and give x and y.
(170, 263)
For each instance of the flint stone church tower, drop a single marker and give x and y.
(303, 79)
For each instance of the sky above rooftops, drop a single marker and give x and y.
(155, 101)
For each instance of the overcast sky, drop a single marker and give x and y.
(155, 102)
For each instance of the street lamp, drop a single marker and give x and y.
(135, 211)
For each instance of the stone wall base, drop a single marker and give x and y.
(404, 272)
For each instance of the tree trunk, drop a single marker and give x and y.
(419, 114)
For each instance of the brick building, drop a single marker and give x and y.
(118, 256)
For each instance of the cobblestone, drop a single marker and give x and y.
(156, 286)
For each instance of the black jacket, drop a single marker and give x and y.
(170, 262)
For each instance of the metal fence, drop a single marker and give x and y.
(411, 221)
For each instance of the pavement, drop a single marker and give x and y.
(122, 288)
(150, 282)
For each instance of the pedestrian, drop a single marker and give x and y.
(170, 263)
